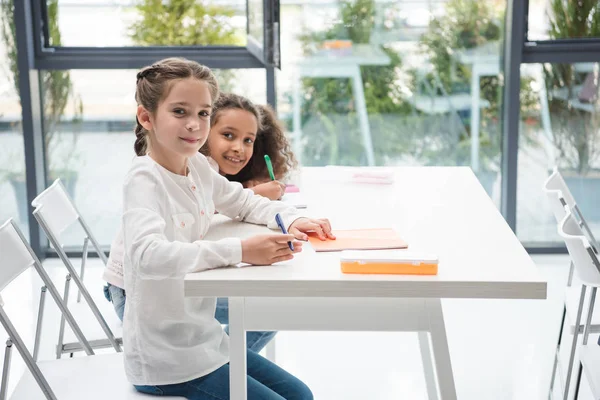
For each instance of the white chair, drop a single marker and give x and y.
(71, 378)
(560, 196)
(556, 182)
(55, 212)
(587, 269)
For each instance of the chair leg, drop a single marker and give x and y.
(61, 331)
(5, 369)
(586, 333)
(574, 343)
(83, 260)
(26, 356)
(38, 328)
(556, 358)
(570, 279)
(578, 382)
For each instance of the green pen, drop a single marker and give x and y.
(269, 167)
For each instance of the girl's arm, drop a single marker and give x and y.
(147, 248)
(233, 200)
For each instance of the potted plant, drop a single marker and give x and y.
(57, 92)
(572, 99)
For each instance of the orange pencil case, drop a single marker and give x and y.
(400, 262)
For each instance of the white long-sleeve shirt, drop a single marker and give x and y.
(169, 338)
(113, 272)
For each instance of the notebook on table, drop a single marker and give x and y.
(359, 239)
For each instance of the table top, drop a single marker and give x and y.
(487, 53)
(359, 54)
(438, 210)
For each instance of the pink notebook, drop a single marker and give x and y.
(359, 239)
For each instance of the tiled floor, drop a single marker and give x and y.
(499, 349)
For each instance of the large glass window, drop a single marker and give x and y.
(13, 196)
(394, 83)
(88, 132)
(563, 19)
(563, 130)
(91, 23)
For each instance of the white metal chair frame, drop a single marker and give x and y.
(587, 267)
(53, 224)
(15, 248)
(561, 200)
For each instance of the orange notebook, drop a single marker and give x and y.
(359, 239)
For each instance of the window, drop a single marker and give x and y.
(562, 129)
(394, 83)
(145, 23)
(13, 197)
(563, 19)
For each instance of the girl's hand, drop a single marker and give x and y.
(300, 227)
(272, 190)
(269, 249)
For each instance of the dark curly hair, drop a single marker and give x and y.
(270, 140)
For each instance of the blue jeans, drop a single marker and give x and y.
(255, 341)
(265, 381)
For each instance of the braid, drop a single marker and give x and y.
(141, 142)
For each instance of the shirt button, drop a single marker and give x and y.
(182, 224)
(202, 212)
(193, 187)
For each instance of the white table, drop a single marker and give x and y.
(440, 210)
(348, 65)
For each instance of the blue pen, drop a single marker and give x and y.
(283, 230)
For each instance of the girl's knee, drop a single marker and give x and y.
(303, 392)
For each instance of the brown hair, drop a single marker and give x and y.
(153, 85)
(270, 140)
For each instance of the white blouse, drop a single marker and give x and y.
(113, 272)
(169, 338)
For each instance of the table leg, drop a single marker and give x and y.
(443, 364)
(425, 347)
(361, 109)
(237, 349)
(475, 112)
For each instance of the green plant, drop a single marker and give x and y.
(186, 23)
(466, 24)
(576, 132)
(56, 91)
(328, 105)
(469, 24)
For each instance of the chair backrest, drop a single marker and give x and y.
(587, 266)
(556, 188)
(557, 202)
(14, 255)
(556, 182)
(55, 211)
(56, 208)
